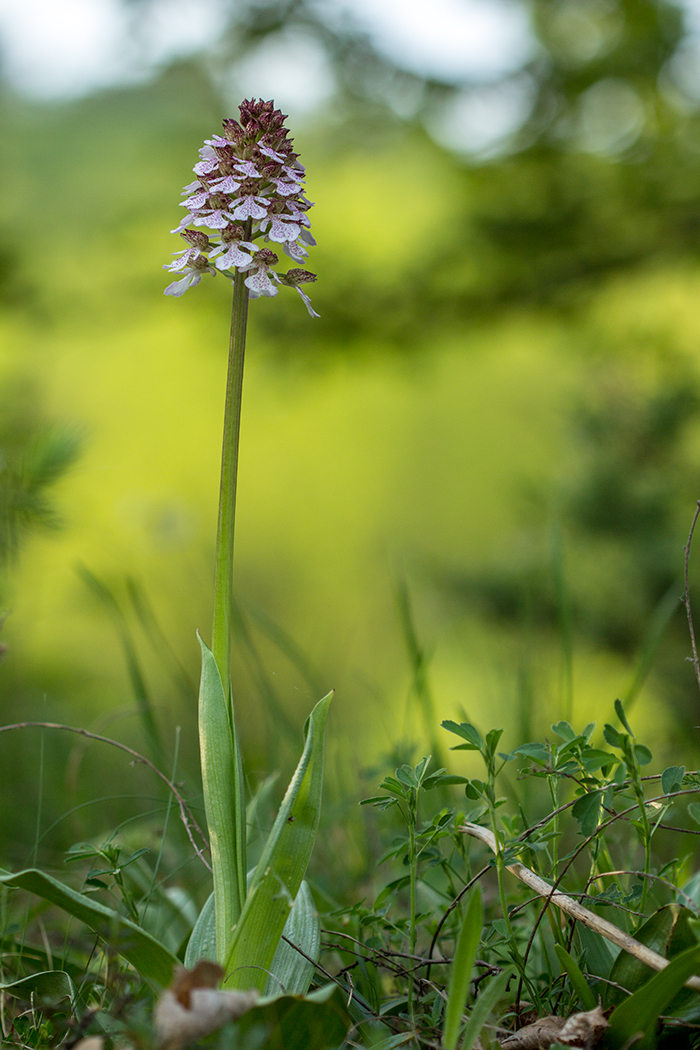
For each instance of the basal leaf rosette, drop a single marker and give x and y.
(249, 188)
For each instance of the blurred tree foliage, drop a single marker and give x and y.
(601, 176)
(608, 564)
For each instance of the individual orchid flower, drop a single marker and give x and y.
(293, 278)
(261, 279)
(229, 251)
(192, 264)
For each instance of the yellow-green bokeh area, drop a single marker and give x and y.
(361, 465)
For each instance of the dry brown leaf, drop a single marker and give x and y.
(537, 1036)
(193, 1007)
(204, 974)
(95, 1042)
(583, 1030)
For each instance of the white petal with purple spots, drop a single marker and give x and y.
(250, 208)
(233, 256)
(284, 188)
(260, 282)
(281, 231)
(198, 200)
(267, 151)
(229, 184)
(247, 168)
(206, 166)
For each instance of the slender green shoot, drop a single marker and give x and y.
(462, 966)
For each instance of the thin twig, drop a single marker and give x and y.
(686, 596)
(576, 911)
(185, 813)
(451, 908)
(314, 962)
(689, 902)
(618, 789)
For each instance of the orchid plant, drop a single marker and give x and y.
(249, 188)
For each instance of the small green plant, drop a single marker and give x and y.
(403, 792)
(110, 854)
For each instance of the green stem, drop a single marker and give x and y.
(553, 784)
(223, 579)
(222, 773)
(500, 869)
(413, 865)
(646, 834)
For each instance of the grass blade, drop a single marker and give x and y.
(462, 966)
(137, 678)
(483, 1007)
(578, 981)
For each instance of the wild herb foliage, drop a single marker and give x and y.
(604, 841)
(583, 859)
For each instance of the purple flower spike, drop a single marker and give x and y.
(249, 186)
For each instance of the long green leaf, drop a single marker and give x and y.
(281, 868)
(290, 970)
(578, 981)
(224, 801)
(640, 1012)
(202, 942)
(483, 1007)
(599, 953)
(319, 1021)
(630, 972)
(462, 966)
(49, 986)
(291, 973)
(73, 964)
(152, 960)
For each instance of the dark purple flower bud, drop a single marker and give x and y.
(266, 258)
(233, 232)
(197, 239)
(295, 277)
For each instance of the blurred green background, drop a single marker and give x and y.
(465, 488)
